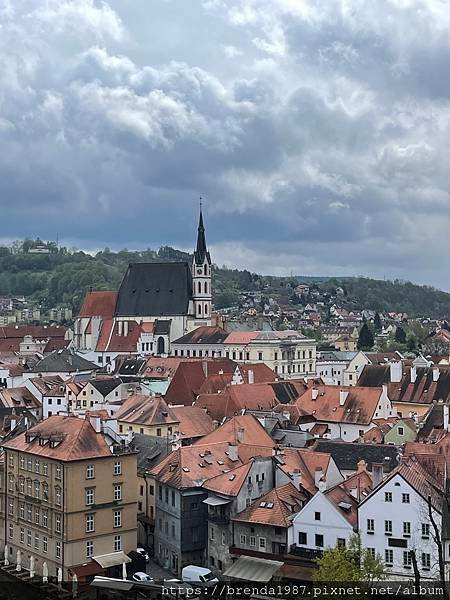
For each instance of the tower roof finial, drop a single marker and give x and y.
(201, 250)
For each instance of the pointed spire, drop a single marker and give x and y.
(201, 250)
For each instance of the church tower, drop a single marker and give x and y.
(201, 276)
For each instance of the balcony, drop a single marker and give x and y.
(218, 519)
(308, 553)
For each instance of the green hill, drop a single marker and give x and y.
(63, 277)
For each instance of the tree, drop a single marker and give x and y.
(377, 322)
(400, 335)
(365, 340)
(351, 564)
(411, 343)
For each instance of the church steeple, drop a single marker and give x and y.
(201, 252)
(201, 275)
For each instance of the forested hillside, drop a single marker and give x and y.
(64, 276)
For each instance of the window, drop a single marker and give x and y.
(407, 559)
(37, 466)
(45, 491)
(29, 510)
(29, 487)
(58, 549)
(90, 496)
(242, 539)
(37, 489)
(28, 537)
(389, 557)
(158, 431)
(58, 523)
(45, 469)
(22, 511)
(90, 472)
(406, 528)
(58, 496)
(117, 468)
(11, 508)
(405, 498)
(58, 472)
(152, 490)
(117, 543)
(426, 560)
(45, 544)
(370, 526)
(36, 541)
(262, 543)
(22, 535)
(302, 538)
(425, 530)
(11, 530)
(45, 518)
(173, 498)
(11, 482)
(117, 491)
(29, 464)
(401, 431)
(22, 462)
(36, 516)
(388, 527)
(317, 516)
(90, 523)
(319, 540)
(211, 533)
(89, 549)
(252, 541)
(260, 355)
(340, 543)
(117, 518)
(388, 496)
(371, 552)
(22, 485)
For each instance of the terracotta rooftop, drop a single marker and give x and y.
(242, 429)
(193, 421)
(229, 483)
(61, 438)
(99, 304)
(203, 335)
(306, 462)
(146, 410)
(274, 508)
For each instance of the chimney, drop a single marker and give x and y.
(362, 466)
(297, 479)
(205, 368)
(233, 452)
(125, 328)
(446, 414)
(396, 370)
(322, 485)
(96, 423)
(342, 397)
(318, 476)
(435, 373)
(251, 376)
(240, 435)
(314, 393)
(413, 374)
(377, 474)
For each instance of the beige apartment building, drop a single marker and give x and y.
(70, 494)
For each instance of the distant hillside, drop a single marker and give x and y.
(63, 276)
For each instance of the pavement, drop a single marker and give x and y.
(157, 572)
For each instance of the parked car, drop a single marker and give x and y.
(198, 575)
(140, 576)
(143, 552)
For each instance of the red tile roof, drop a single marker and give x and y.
(235, 398)
(99, 304)
(76, 440)
(230, 483)
(274, 508)
(146, 410)
(194, 422)
(242, 429)
(241, 337)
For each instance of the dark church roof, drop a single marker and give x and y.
(201, 251)
(155, 289)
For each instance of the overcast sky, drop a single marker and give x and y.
(317, 130)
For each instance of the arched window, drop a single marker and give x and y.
(205, 269)
(199, 309)
(161, 345)
(206, 309)
(199, 287)
(206, 287)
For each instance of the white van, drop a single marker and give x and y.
(198, 576)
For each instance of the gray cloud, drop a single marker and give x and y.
(316, 130)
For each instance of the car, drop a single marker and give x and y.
(140, 576)
(194, 574)
(143, 552)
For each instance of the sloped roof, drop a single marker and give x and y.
(230, 483)
(63, 361)
(283, 502)
(305, 461)
(151, 450)
(111, 341)
(346, 455)
(242, 429)
(155, 289)
(77, 439)
(105, 386)
(98, 304)
(146, 410)
(18, 396)
(203, 335)
(193, 421)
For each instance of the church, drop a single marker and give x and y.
(157, 303)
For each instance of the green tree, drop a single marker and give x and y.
(377, 322)
(365, 340)
(400, 335)
(351, 564)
